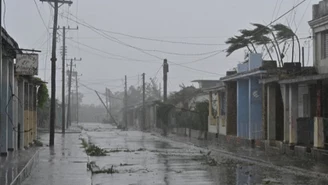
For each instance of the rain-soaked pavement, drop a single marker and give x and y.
(144, 158)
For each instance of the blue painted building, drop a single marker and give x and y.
(249, 97)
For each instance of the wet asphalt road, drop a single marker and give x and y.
(144, 158)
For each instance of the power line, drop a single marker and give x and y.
(4, 13)
(210, 56)
(145, 51)
(112, 54)
(303, 15)
(44, 23)
(91, 89)
(182, 54)
(156, 40)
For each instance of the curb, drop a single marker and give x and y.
(26, 171)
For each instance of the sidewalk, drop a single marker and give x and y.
(294, 164)
(17, 165)
(65, 163)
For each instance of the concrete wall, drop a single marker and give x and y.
(231, 104)
(303, 100)
(243, 108)
(255, 108)
(318, 27)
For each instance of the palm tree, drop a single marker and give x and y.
(248, 34)
(262, 30)
(262, 40)
(236, 43)
(285, 33)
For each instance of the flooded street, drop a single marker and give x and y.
(143, 158)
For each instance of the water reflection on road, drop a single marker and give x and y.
(149, 159)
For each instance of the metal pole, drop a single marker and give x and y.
(126, 103)
(77, 100)
(53, 78)
(143, 102)
(303, 56)
(69, 95)
(63, 81)
(165, 71)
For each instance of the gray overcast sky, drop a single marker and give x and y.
(206, 21)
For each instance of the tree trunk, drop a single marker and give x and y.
(293, 49)
(266, 47)
(253, 47)
(299, 48)
(278, 56)
(249, 49)
(278, 48)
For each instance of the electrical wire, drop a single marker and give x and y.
(91, 89)
(4, 13)
(274, 10)
(210, 56)
(307, 7)
(6, 111)
(155, 76)
(96, 30)
(153, 39)
(44, 23)
(112, 54)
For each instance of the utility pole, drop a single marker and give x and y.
(165, 71)
(63, 80)
(126, 103)
(69, 94)
(63, 75)
(143, 102)
(53, 69)
(107, 102)
(77, 100)
(69, 91)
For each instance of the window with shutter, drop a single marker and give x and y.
(324, 45)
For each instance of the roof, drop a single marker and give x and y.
(10, 41)
(206, 81)
(253, 72)
(304, 79)
(219, 87)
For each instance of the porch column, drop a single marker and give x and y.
(26, 115)
(210, 105)
(319, 137)
(285, 97)
(11, 124)
(4, 117)
(293, 113)
(271, 112)
(35, 113)
(21, 127)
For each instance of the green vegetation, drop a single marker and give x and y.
(38, 143)
(94, 168)
(42, 95)
(84, 143)
(270, 37)
(92, 149)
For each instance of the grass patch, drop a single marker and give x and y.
(92, 149)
